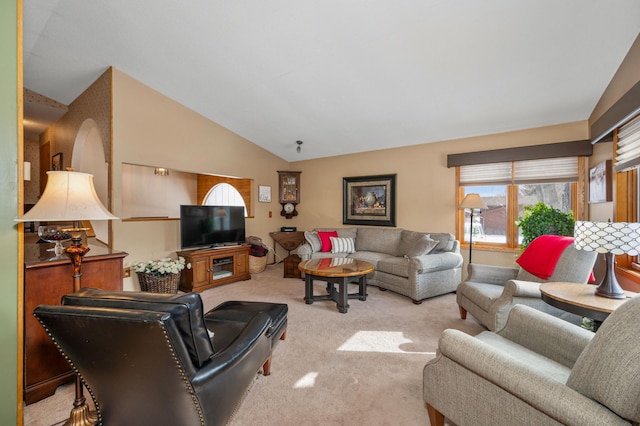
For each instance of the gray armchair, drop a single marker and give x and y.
(490, 292)
(538, 370)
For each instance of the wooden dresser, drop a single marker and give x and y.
(47, 279)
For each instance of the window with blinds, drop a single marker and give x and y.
(521, 172)
(507, 188)
(628, 148)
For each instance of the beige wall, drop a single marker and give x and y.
(151, 129)
(625, 77)
(425, 186)
(93, 103)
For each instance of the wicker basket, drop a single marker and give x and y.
(166, 284)
(257, 264)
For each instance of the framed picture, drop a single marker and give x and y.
(264, 194)
(56, 162)
(600, 186)
(369, 200)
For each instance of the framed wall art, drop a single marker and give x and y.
(369, 200)
(264, 194)
(56, 162)
(600, 185)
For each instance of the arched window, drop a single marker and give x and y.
(224, 194)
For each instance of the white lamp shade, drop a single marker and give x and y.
(608, 237)
(68, 196)
(473, 201)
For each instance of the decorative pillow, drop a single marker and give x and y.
(423, 245)
(324, 239)
(342, 245)
(313, 240)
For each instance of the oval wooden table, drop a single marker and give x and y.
(580, 299)
(341, 271)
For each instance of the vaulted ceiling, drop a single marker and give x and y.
(343, 76)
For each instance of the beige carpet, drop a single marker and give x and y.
(363, 367)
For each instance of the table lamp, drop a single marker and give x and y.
(472, 202)
(71, 197)
(610, 238)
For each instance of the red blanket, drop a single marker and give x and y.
(542, 254)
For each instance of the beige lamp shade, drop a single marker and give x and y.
(68, 196)
(473, 201)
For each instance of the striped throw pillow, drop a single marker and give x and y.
(342, 245)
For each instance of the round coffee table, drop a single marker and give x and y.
(336, 270)
(580, 299)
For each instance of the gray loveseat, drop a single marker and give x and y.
(418, 265)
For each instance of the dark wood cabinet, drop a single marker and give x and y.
(47, 279)
(214, 267)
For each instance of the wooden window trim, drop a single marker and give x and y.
(578, 206)
(206, 182)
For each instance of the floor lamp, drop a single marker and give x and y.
(472, 202)
(71, 197)
(610, 238)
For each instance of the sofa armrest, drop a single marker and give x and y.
(305, 251)
(553, 398)
(490, 274)
(221, 383)
(541, 333)
(520, 288)
(434, 262)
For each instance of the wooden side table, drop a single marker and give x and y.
(46, 279)
(580, 299)
(288, 240)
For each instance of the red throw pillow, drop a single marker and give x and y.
(325, 239)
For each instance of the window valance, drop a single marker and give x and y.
(524, 153)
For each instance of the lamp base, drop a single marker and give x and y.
(609, 286)
(82, 416)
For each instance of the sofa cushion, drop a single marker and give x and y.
(607, 370)
(408, 239)
(314, 240)
(421, 246)
(394, 265)
(482, 294)
(370, 256)
(347, 232)
(325, 239)
(380, 240)
(342, 245)
(445, 241)
(186, 309)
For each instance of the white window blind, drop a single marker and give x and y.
(564, 169)
(486, 174)
(628, 151)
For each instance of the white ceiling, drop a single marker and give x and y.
(343, 76)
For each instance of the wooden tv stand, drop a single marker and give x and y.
(214, 267)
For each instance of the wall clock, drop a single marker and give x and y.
(288, 192)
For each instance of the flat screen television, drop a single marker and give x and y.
(211, 226)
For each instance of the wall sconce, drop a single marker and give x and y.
(161, 171)
(27, 171)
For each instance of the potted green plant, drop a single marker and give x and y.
(542, 219)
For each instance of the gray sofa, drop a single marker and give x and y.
(418, 265)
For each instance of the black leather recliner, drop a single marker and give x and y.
(148, 358)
